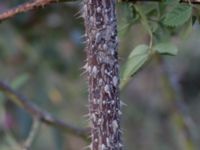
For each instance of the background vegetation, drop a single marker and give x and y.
(42, 54)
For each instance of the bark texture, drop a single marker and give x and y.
(103, 74)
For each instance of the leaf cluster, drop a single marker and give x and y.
(161, 21)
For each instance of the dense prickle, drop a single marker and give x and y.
(103, 74)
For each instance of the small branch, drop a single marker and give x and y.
(32, 135)
(43, 116)
(12, 143)
(28, 6)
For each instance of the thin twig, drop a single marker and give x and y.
(28, 6)
(42, 115)
(32, 135)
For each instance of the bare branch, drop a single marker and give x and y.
(32, 135)
(42, 115)
(28, 6)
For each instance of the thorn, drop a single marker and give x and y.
(122, 103)
(107, 90)
(103, 147)
(87, 147)
(86, 115)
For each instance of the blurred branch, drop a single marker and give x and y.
(28, 6)
(40, 114)
(32, 135)
(13, 144)
(178, 108)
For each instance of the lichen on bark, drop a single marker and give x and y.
(103, 73)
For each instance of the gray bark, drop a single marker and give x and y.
(103, 74)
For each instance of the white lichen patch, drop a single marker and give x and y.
(99, 121)
(105, 47)
(108, 141)
(104, 102)
(98, 9)
(107, 90)
(115, 125)
(115, 81)
(120, 145)
(94, 71)
(94, 118)
(100, 82)
(96, 140)
(109, 111)
(119, 112)
(112, 102)
(103, 147)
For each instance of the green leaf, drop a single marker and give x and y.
(19, 81)
(136, 60)
(178, 16)
(166, 48)
(140, 49)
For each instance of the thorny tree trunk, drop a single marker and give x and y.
(103, 74)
